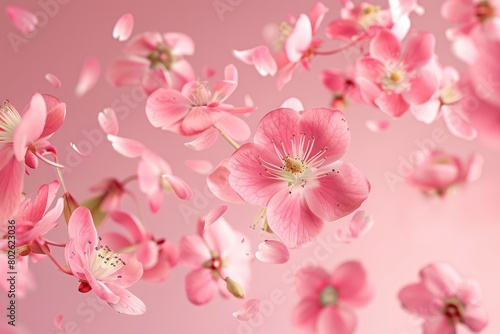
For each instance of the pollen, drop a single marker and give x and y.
(485, 11)
(161, 56)
(293, 165)
(396, 76)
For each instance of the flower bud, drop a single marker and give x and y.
(234, 288)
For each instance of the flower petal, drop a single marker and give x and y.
(200, 286)
(123, 72)
(206, 140)
(11, 183)
(248, 310)
(89, 75)
(165, 108)
(419, 50)
(441, 279)
(385, 47)
(418, 300)
(351, 281)
(299, 40)
(234, 127)
(81, 228)
(377, 126)
(215, 214)
(129, 148)
(343, 29)
(360, 223)
(291, 219)
(392, 104)
(123, 27)
(310, 280)
(180, 44)
(339, 193)
(199, 119)
(179, 186)
(305, 314)
(193, 251)
(31, 126)
(457, 124)
(293, 103)
(438, 325)
(272, 251)
(423, 86)
(218, 183)
(108, 121)
(22, 19)
(53, 80)
(475, 318)
(336, 320)
(128, 303)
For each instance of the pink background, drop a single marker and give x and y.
(410, 232)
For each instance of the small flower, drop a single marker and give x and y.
(444, 299)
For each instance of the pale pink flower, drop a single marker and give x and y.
(154, 60)
(158, 256)
(214, 255)
(100, 269)
(203, 167)
(291, 168)
(444, 299)
(260, 57)
(393, 81)
(327, 299)
(439, 172)
(471, 15)
(447, 102)
(196, 108)
(23, 141)
(34, 219)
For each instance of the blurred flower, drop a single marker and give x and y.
(327, 298)
(23, 141)
(439, 172)
(393, 81)
(100, 269)
(292, 169)
(444, 299)
(196, 109)
(215, 255)
(157, 256)
(110, 196)
(342, 86)
(154, 60)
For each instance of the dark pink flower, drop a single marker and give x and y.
(393, 81)
(342, 87)
(444, 299)
(291, 168)
(154, 60)
(326, 299)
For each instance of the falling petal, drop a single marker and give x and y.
(75, 148)
(58, 323)
(180, 188)
(53, 80)
(377, 126)
(202, 167)
(108, 121)
(206, 140)
(214, 215)
(475, 168)
(23, 19)
(360, 224)
(272, 251)
(89, 75)
(248, 310)
(127, 147)
(123, 27)
(293, 103)
(208, 72)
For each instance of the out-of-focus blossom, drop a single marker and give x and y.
(444, 299)
(272, 251)
(291, 168)
(154, 60)
(23, 141)
(471, 15)
(100, 269)
(196, 108)
(91, 71)
(327, 299)
(248, 310)
(439, 172)
(123, 27)
(158, 256)
(109, 199)
(342, 87)
(215, 256)
(393, 81)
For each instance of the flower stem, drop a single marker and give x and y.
(230, 140)
(54, 243)
(129, 179)
(59, 175)
(342, 48)
(53, 259)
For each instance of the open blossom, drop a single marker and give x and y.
(154, 60)
(448, 102)
(214, 255)
(157, 256)
(393, 81)
(100, 269)
(365, 19)
(291, 168)
(439, 172)
(23, 141)
(326, 299)
(34, 219)
(472, 15)
(444, 299)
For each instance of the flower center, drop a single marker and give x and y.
(161, 56)
(329, 296)
(395, 78)
(485, 11)
(105, 262)
(201, 94)
(450, 95)
(453, 310)
(370, 16)
(9, 120)
(298, 163)
(215, 264)
(284, 30)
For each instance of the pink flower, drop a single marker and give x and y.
(471, 15)
(100, 269)
(157, 256)
(440, 172)
(214, 255)
(393, 81)
(327, 299)
(448, 102)
(154, 60)
(260, 57)
(195, 109)
(23, 141)
(110, 197)
(34, 219)
(291, 169)
(444, 299)
(342, 86)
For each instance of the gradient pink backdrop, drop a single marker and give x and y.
(410, 232)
